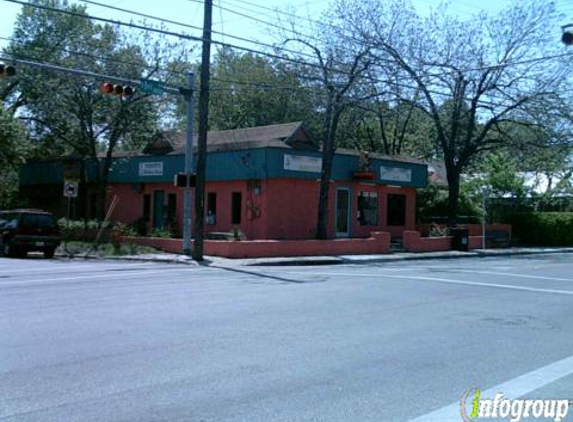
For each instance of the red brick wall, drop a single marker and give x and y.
(413, 242)
(473, 229)
(379, 243)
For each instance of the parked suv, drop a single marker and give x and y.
(25, 230)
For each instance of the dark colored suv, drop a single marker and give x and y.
(24, 230)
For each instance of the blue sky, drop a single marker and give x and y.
(191, 11)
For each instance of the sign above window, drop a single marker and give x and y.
(395, 174)
(151, 168)
(302, 163)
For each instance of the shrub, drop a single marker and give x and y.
(543, 228)
(81, 230)
(161, 233)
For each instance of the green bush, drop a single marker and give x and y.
(164, 233)
(81, 230)
(542, 228)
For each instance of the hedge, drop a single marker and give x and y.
(542, 228)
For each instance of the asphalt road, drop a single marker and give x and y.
(102, 341)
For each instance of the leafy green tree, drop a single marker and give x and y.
(249, 90)
(67, 114)
(13, 148)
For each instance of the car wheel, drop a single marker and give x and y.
(49, 253)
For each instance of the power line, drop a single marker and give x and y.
(93, 56)
(275, 56)
(184, 36)
(184, 25)
(171, 33)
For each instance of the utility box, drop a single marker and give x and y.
(461, 239)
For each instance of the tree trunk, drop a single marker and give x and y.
(453, 193)
(328, 148)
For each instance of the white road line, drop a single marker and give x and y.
(450, 281)
(117, 274)
(66, 268)
(517, 387)
(533, 277)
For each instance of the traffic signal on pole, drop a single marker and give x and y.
(181, 180)
(116, 89)
(7, 71)
(567, 38)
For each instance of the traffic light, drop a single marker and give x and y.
(116, 89)
(180, 180)
(7, 71)
(567, 38)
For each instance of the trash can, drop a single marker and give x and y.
(461, 239)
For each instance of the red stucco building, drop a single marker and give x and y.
(263, 181)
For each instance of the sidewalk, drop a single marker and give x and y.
(340, 259)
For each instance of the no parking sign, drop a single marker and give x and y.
(70, 189)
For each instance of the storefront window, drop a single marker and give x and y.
(367, 209)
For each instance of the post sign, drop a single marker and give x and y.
(151, 168)
(71, 189)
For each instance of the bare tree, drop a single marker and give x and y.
(475, 77)
(332, 68)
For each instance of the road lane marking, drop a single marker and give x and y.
(56, 268)
(450, 281)
(533, 277)
(512, 389)
(107, 275)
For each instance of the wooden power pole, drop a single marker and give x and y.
(202, 134)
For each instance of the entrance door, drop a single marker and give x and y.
(158, 201)
(342, 218)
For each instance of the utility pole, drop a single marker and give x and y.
(202, 133)
(188, 166)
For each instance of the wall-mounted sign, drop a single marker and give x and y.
(151, 168)
(395, 174)
(302, 163)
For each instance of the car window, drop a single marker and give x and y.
(38, 221)
(8, 220)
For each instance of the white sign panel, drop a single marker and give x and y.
(302, 163)
(70, 189)
(395, 174)
(151, 169)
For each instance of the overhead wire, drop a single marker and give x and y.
(254, 51)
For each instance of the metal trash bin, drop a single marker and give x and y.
(461, 239)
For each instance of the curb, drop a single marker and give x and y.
(414, 257)
(325, 260)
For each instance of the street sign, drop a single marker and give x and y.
(149, 86)
(70, 189)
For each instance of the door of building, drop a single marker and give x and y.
(342, 217)
(158, 207)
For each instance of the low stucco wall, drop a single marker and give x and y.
(378, 243)
(473, 229)
(413, 241)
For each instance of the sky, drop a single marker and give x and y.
(228, 19)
